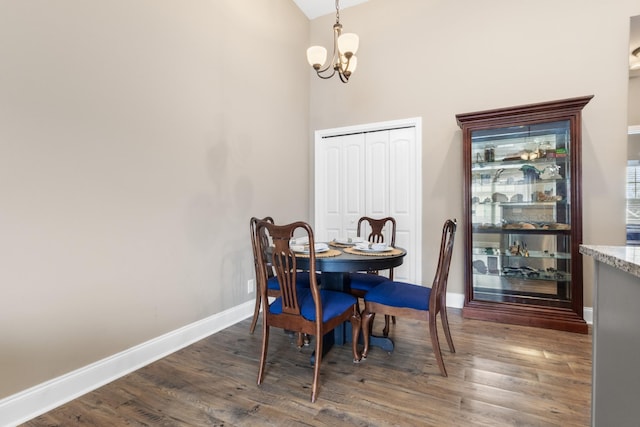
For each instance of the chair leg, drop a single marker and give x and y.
(371, 323)
(303, 340)
(445, 325)
(299, 340)
(356, 324)
(316, 369)
(263, 354)
(367, 317)
(385, 331)
(433, 331)
(256, 313)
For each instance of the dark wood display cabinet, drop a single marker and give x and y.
(523, 214)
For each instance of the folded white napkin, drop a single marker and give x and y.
(362, 245)
(299, 241)
(321, 247)
(366, 246)
(349, 240)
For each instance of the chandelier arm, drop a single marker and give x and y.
(325, 77)
(346, 64)
(330, 64)
(335, 55)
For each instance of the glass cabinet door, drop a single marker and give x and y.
(520, 214)
(523, 214)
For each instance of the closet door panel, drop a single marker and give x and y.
(377, 174)
(402, 171)
(353, 184)
(330, 190)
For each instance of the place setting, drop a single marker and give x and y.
(374, 249)
(345, 242)
(303, 249)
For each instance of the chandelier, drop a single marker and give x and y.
(343, 60)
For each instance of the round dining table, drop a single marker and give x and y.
(335, 266)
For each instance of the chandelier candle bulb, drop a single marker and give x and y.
(348, 44)
(317, 56)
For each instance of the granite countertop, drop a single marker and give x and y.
(625, 258)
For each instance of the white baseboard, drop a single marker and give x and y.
(455, 300)
(587, 315)
(37, 400)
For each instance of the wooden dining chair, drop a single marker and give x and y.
(273, 287)
(312, 310)
(414, 301)
(363, 282)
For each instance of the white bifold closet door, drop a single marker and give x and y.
(372, 173)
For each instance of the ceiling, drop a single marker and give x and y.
(315, 8)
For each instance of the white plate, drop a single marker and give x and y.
(320, 247)
(387, 249)
(375, 247)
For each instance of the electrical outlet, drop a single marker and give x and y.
(251, 286)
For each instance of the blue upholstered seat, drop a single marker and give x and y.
(400, 294)
(365, 282)
(334, 303)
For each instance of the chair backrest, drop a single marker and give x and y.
(376, 236)
(283, 261)
(377, 225)
(439, 287)
(253, 225)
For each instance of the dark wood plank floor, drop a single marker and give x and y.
(501, 375)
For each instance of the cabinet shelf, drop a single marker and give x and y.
(523, 215)
(531, 254)
(533, 276)
(502, 230)
(492, 184)
(515, 164)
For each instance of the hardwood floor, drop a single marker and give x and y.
(501, 375)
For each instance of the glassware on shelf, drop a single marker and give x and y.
(490, 153)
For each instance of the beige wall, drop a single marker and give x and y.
(133, 141)
(435, 59)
